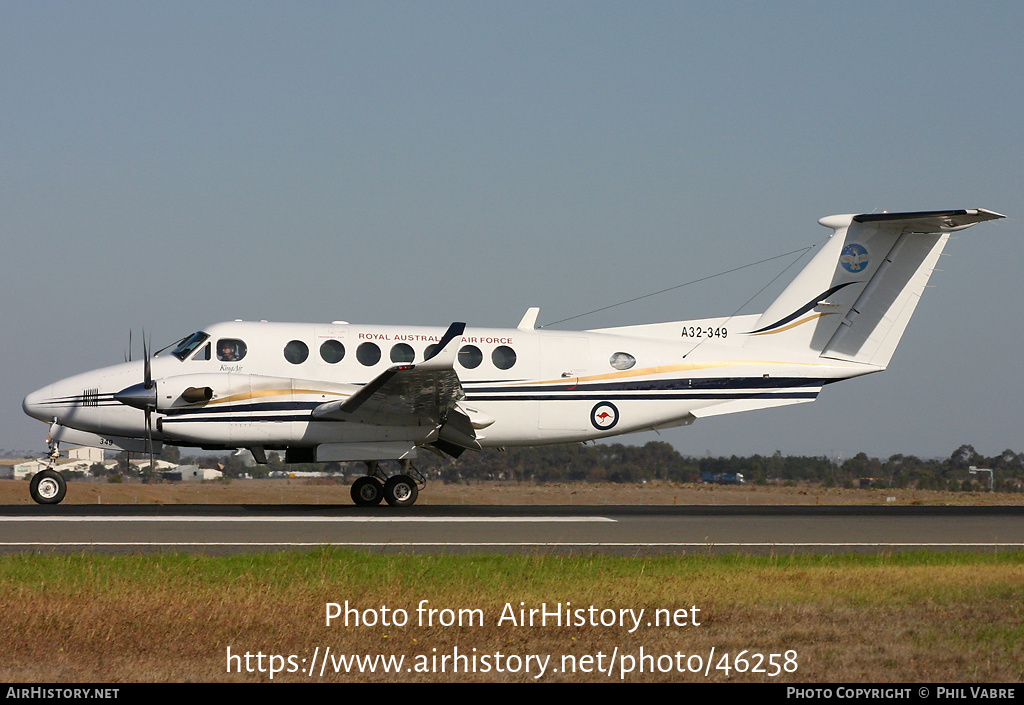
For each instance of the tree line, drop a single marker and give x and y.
(658, 460)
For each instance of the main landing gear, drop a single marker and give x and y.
(397, 490)
(48, 486)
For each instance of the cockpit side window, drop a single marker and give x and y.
(230, 349)
(187, 345)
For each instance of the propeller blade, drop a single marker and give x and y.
(149, 438)
(147, 366)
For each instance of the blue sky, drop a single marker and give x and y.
(170, 165)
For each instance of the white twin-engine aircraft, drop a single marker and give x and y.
(347, 392)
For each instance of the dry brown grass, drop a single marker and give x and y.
(850, 619)
(171, 618)
(323, 491)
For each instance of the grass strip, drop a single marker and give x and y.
(171, 617)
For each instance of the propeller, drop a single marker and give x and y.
(147, 376)
(143, 396)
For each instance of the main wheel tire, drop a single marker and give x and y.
(367, 492)
(48, 487)
(401, 491)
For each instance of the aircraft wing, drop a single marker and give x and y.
(423, 394)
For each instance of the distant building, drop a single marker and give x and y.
(28, 468)
(142, 464)
(79, 459)
(192, 473)
(93, 455)
(7, 468)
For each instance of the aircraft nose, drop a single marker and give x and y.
(38, 404)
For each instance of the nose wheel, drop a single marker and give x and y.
(48, 486)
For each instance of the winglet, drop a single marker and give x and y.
(446, 349)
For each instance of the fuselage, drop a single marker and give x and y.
(520, 386)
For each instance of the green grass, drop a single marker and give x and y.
(865, 578)
(166, 617)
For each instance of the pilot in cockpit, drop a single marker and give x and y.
(227, 352)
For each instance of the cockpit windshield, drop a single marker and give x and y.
(186, 346)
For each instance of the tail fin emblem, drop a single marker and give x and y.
(854, 258)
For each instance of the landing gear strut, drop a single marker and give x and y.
(399, 490)
(48, 486)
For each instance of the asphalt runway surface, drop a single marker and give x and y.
(628, 530)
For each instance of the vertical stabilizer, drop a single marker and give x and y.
(853, 301)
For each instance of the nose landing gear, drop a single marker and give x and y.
(48, 486)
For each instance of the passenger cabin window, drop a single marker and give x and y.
(503, 357)
(332, 351)
(470, 357)
(368, 354)
(296, 352)
(621, 361)
(402, 353)
(230, 350)
(187, 345)
(429, 350)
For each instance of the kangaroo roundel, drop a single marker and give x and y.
(604, 416)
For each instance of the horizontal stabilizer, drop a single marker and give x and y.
(930, 221)
(733, 407)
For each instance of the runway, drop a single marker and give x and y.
(629, 530)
